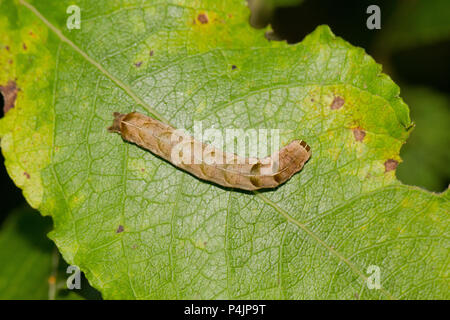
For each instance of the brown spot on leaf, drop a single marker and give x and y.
(120, 229)
(24, 45)
(359, 134)
(9, 93)
(138, 64)
(7, 48)
(337, 103)
(390, 165)
(26, 174)
(203, 18)
(152, 53)
(233, 67)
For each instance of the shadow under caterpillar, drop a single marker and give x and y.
(225, 169)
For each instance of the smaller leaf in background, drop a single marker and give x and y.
(25, 256)
(426, 154)
(30, 266)
(417, 22)
(414, 43)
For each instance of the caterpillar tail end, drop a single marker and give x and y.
(305, 146)
(116, 124)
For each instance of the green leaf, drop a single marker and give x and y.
(29, 260)
(314, 237)
(425, 160)
(25, 256)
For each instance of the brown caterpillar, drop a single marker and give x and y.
(232, 171)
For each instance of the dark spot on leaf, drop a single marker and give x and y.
(10, 61)
(337, 103)
(205, 243)
(142, 170)
(134, 246)
(26, 174)
(9, 93)
(359, 134)
(152, 53)
(203, 18)
(390, 165)
(120, 229)
(312, 100)
(356, 295)
(138, 64)
(24, 46)
(7, 48)
(233, 67)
